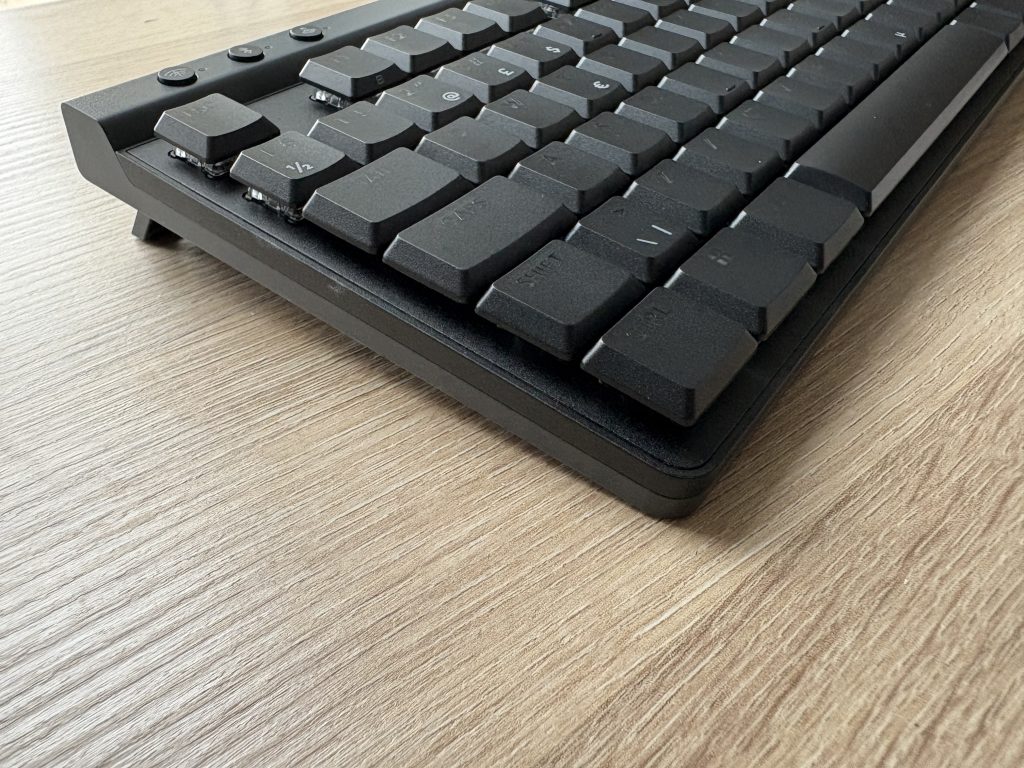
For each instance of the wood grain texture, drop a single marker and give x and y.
(228, 535)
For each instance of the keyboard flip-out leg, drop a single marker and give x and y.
(148, 230)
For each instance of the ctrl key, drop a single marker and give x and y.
(672, 355)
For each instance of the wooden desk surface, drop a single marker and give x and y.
(230, 535)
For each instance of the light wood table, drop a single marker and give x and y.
(228, 535)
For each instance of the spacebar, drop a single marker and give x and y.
(869, 152)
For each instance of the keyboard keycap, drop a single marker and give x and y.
(485, 77)
(214, 129)
(464, 31)
(745, 278)
(852, 82)
(877, 62)
(671, 49)
(993, 18)
(739, 15)
(815, 31)
(786, 48)
(532, 119)
(819, 106)
(839, 13)
(632, 70)
(644, 241)
(583, 91)
(474, 149)
(429, 103)
(370, 207)
(365, 132)
(579, 180)
(757, 69)
(721, 92)
(561, 299)
(412, 50)
(536, 55)
(579, 34)
(851, 162)
(671, 354)
(633, 147)
(751, 167)
(804, 221)
(700, 202)
(620, 18)
(512, 16)
(787, 134)
(679, 117)
(350, 72)
(657, 8)
(462, 248)
(706, 30)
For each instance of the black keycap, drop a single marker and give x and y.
(413, 51)
(644, 241)
(739, 15)
(462, 248)
(587, 93)
(787, 134)
(851, 162)
(679, 117)
(671, 49)
(246, 54)
(751, 167)
(803, 220)
(577, 179)
(745, 278)
(214, 129)
(365, 132)
(632, 146)
(288, 169)
(840, 13)
(620, 18)
(706, 30)
(351, 72)
(485, 77)
(370, 207)
(177, 77)
(579, 34)
(942, 10)
(511, 15)
(757, 69)
(671, 354)
(464, 31)
(536, 55)
(721, 92)
(894, 41)
(532, 119)
(429, 103)
(876, 61)
(561, 299)
(815, 31)
(916, 26)
(819, 106)
(567, 5)
(657, 8)
(986, 16)
(785, 47)
(474, 149)
(632, 70)
(852, 82)
(698, 201)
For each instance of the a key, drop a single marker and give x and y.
(579, 34)
(349, 72)
(877, 62)
(850, 161)
(213, 130)
(512, 16)
(579, 180)
(485, 77)
(721, 92)
(585, 92)
(840, 13)
(536, 55)
(474, 149)
(787, 134)
(531, 301)
(464, 31)
(786, 48)
(633, 147)
(532, 119)
(819, 106)
(412, 50)
(815, 31)
(745, 278)
(700, 202)
(852, 82)
(679, 117)
(657, 8)
(632, 70)
(370, 207)
(671, 49)
(751, 167)
(646, 242)
(706, 30)
(803, 220)
(739, 15)
(429, 103)
(365, 132)
(757, 69)
(284, 172)
(561, 299)
(620, 18)
(671, 354)
(462, 248)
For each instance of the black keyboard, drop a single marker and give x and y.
(613, 227)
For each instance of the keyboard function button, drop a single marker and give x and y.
(246, 54)
(306, 34)
(177, 76)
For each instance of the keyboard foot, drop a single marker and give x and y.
(148, 230)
